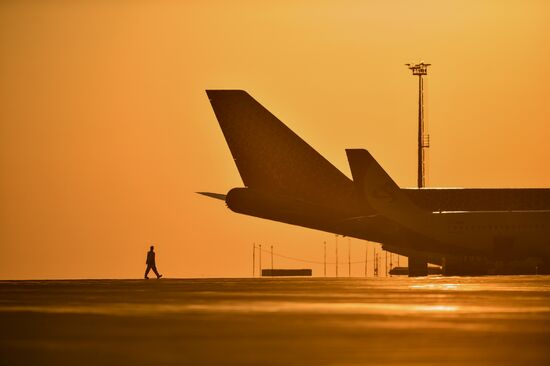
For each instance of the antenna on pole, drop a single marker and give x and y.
(349, 257)
(336, 255)
(260, 258)
(325, 259)
(366, 257)
(253, 259)
(421, 69)
(386, 264)
(375, 263)
(391, 262)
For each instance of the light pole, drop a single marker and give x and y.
(419, 266)
(421, 69)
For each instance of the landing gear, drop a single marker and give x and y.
(417, 267)
(464, 266)
(544, 268)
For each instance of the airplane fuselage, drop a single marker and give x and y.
(287, 181)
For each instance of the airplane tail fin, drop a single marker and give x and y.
(378, 189)
(271, 157)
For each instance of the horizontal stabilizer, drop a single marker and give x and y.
(217, 196)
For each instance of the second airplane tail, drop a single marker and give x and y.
(379, 190)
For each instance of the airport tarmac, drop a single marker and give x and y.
(489, 320)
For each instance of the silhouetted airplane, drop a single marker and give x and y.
(468, 231)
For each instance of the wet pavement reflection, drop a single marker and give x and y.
(491, 320)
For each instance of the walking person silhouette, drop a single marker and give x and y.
(151, 264)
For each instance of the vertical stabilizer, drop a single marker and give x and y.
(379, 190)
(272, 158)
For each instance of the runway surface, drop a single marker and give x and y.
(311, 321)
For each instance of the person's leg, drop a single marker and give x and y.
(156, 272)
(147, 271)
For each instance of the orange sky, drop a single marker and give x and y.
(106, 132)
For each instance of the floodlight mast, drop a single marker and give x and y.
(421, 69)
